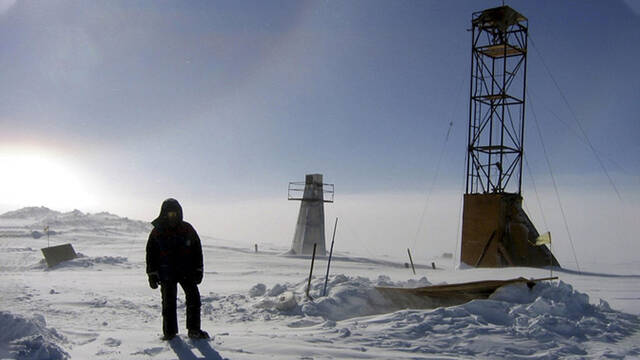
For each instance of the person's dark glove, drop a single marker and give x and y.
(197, 276)
(154, 281)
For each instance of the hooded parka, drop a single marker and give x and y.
(174, 256)
(174, 252)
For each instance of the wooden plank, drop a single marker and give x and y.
(505, 254)
(498, 51)
(475, 289)
(484, 250)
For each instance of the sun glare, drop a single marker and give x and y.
(32, 178)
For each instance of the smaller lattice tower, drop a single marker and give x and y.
(312, 193)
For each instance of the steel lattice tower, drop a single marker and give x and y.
(497, 101)
(496, 231)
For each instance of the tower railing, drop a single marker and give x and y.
(296, 192)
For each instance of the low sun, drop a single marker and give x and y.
(37, 178)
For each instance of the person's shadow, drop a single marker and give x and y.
(184, 351)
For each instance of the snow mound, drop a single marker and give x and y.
(553, 310)
(550, 320)
(23, 338)
(553, 320)
(257, 290)
(347, 297)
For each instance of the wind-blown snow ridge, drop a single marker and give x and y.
(33, 212)
(40, 217)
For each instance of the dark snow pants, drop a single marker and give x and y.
(169, 317)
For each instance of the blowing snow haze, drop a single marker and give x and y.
(115, 106)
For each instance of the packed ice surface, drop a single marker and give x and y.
(99, 305)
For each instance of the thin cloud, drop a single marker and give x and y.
(5, 5)
(634, 5)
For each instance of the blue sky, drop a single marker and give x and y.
(221, 103)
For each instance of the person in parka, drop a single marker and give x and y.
(174, 256)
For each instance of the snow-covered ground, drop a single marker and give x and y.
(99, 306)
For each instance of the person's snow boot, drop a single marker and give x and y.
(198, 334)
(168, 337)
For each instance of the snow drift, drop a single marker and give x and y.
(23, 338)
(553, 318)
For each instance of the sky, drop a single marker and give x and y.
(115, 106)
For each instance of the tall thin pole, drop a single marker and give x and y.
(313, 259)
(524, 93)
(550, 256)
(333, 238)
(411, 260)
(469, 179)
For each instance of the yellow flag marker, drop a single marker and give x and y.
(544, 239)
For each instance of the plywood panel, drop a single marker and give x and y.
(56, 254)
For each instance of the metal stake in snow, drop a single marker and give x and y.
(550, 257)
(411, 260)
(326, 278)
(46, 230)
(313, 259)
